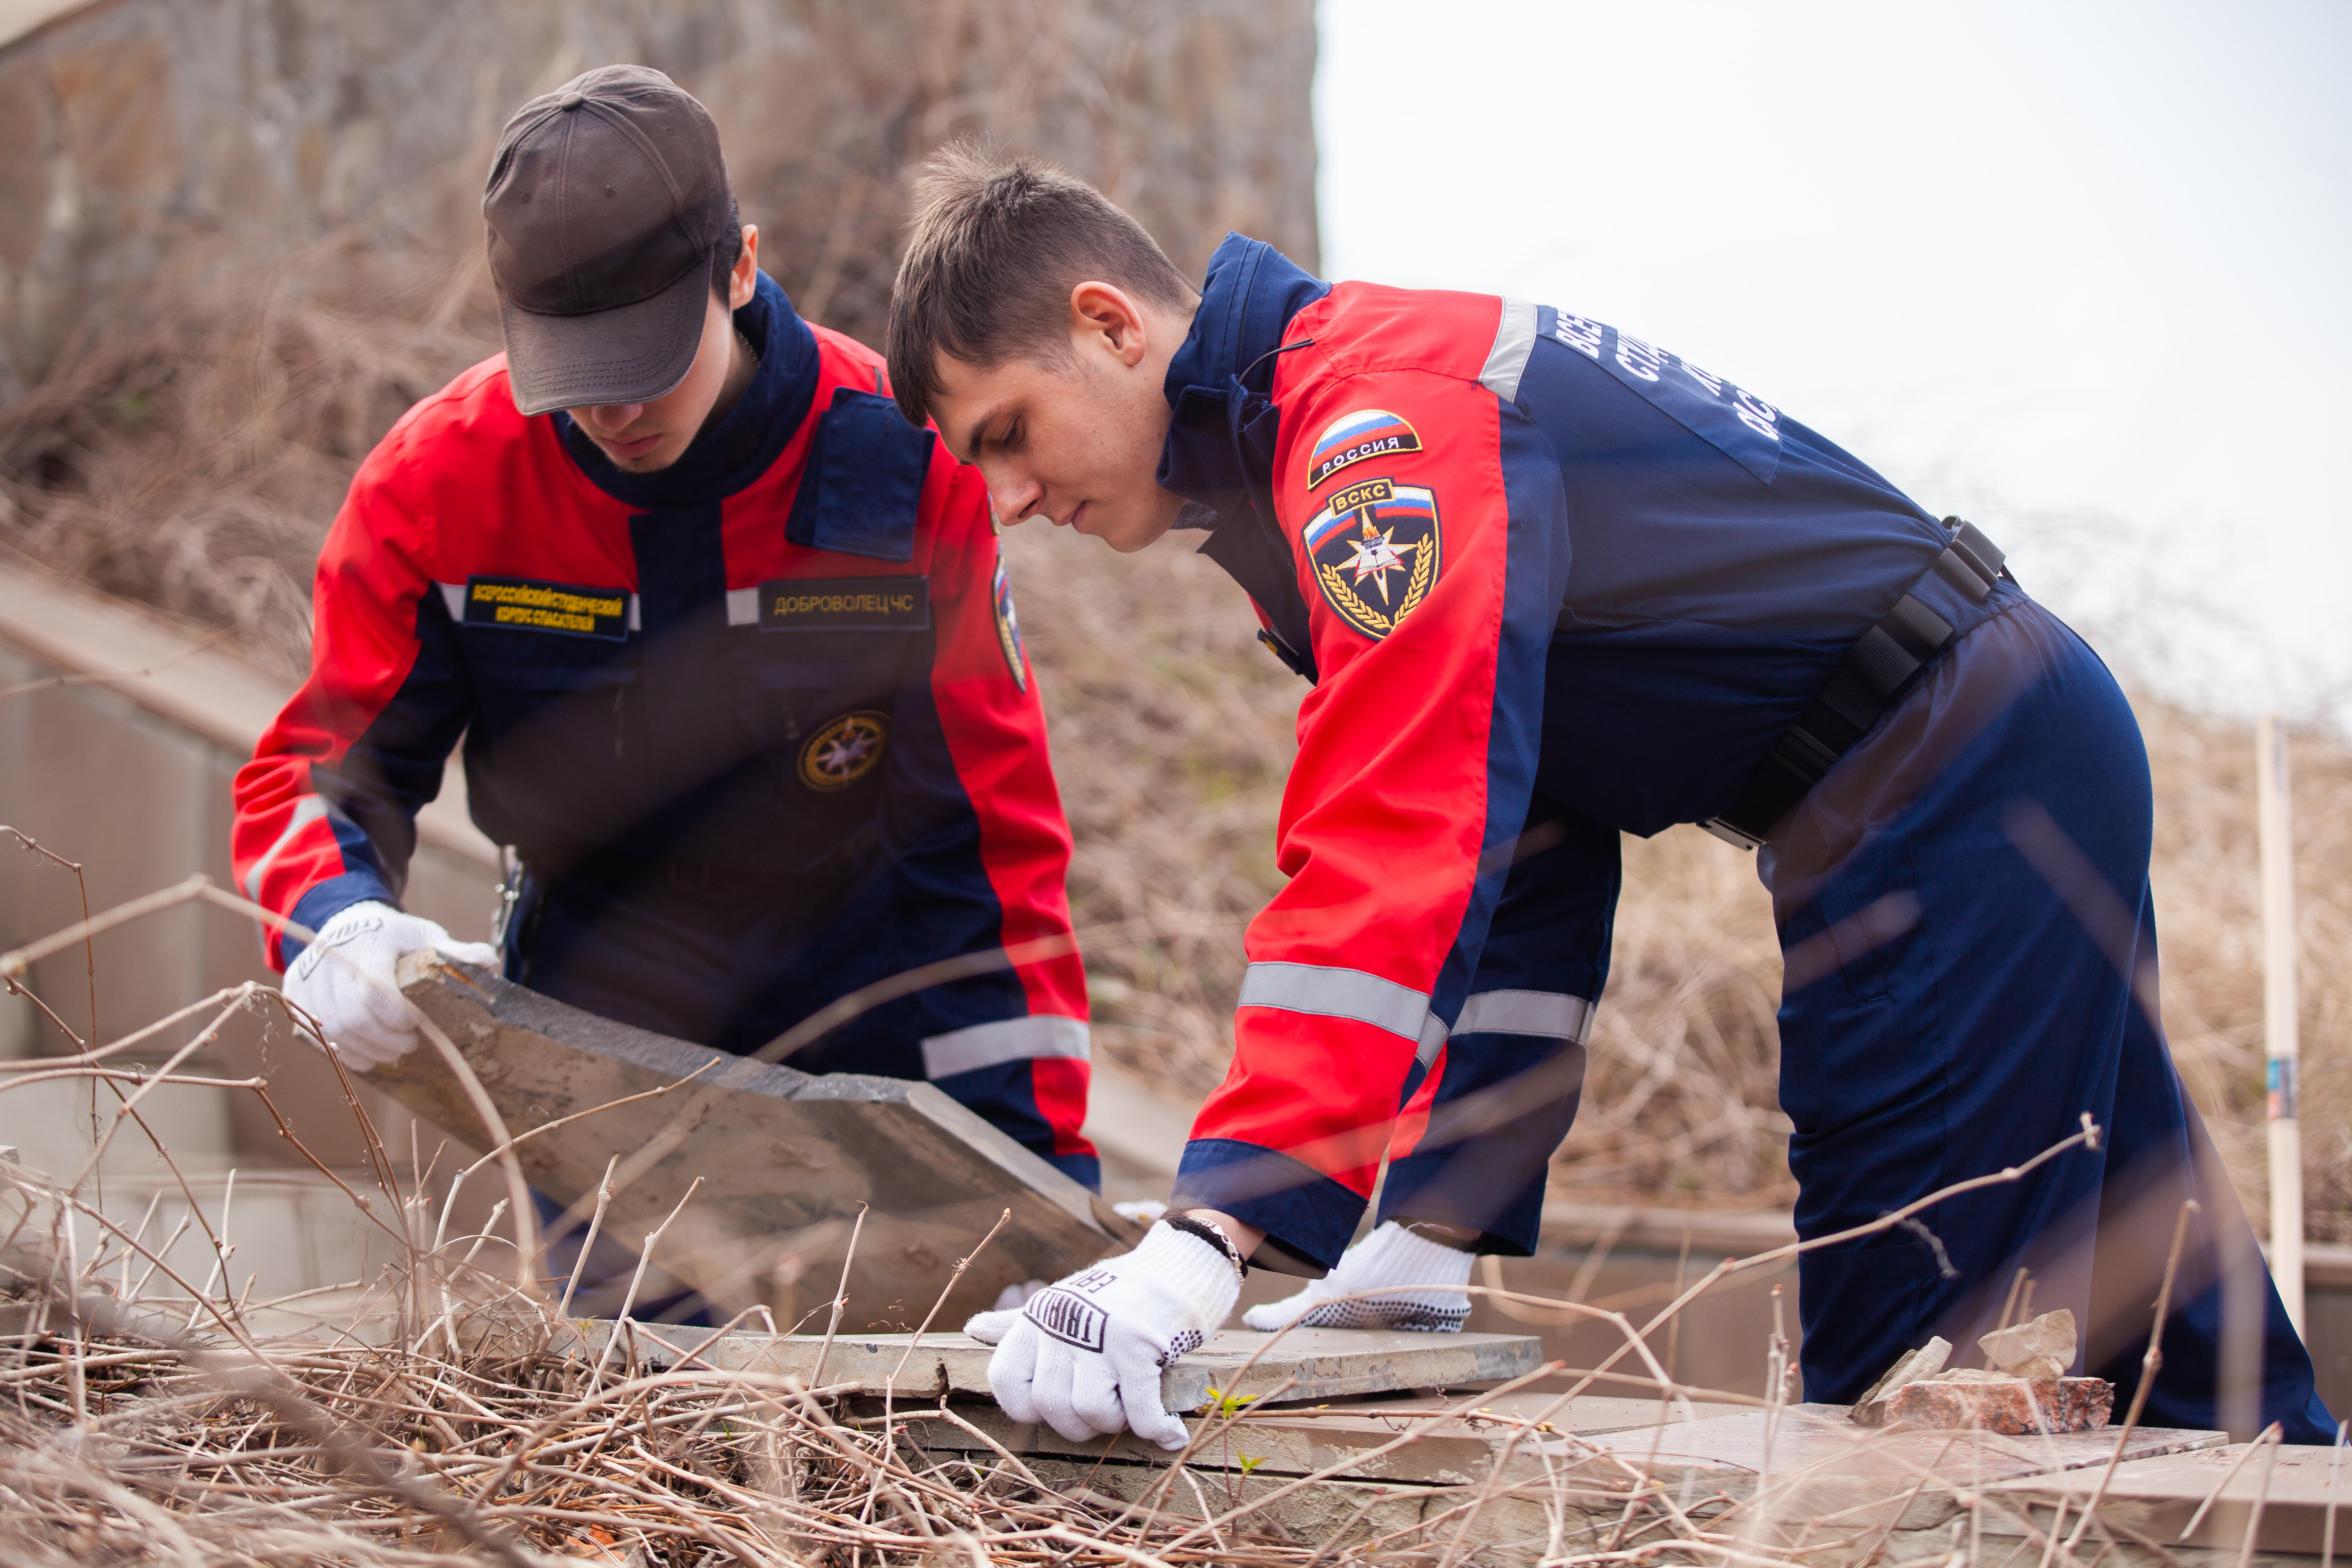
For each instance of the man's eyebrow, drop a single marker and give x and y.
(971, 436)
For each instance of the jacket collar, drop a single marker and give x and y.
(738, 449)
(1220, 449)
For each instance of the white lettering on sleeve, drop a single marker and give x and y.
(1580, 334)
(1639, 358)
(1758, 415)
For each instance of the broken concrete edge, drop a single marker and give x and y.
(518, 1007)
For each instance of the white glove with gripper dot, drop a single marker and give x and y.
(1083, 1355)
(344, 979)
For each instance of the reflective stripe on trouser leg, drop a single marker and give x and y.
(1504, 1095)
(1333, 993)
(1028, 1078)
(1006, 1041)
(1551, 1015)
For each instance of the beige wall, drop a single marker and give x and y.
(143, 142)
(130, 778)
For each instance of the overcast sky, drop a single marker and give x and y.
(2081, 270)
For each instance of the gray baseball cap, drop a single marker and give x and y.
(606, 201)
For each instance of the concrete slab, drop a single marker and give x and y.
(1409, 1439)
(1509, 1527)
(786, 1159)
(1486, 1474)
(1315, 1363)
(2158, 1497)
(1728, 1454)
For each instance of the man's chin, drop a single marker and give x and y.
(1129, 532)
(652, 461)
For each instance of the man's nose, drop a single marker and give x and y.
(612, 416)
(1014, 497)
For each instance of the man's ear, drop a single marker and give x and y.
(744, 281)
(1106, 316)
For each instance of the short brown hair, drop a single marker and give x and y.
(997, 246)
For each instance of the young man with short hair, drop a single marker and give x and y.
(1552, 583)
(729, 644)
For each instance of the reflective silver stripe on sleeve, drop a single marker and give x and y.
(1515, 339)
(742, 607)
(1011, 1040)
(307, 810)
(454, 595)
(1333, 993)
(1553, 1015)
(1433, 1035)
(634, 622)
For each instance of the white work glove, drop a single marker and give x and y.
(344, 979)
(1084, 1355)
(1387, 1260)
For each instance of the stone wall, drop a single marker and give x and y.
(148, 143)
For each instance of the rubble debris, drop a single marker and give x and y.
(1928, 1360)
(2016, 1406)
(2025, 1390)
(2038, 1350)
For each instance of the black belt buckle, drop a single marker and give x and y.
(1971, 563)
(1738, 837)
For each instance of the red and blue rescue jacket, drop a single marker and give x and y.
(760, 725)
(1542, 576)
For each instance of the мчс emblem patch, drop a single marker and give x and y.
(523, 605)
(1008, 627)
(845, 749)
(1374, 550)
(1353, 437)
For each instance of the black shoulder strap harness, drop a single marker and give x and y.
(1859, 688)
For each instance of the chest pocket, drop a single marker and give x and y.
(864, 481)
(550, 738)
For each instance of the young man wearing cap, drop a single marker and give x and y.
(729, 643)
(1553, 584)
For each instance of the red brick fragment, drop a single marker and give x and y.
(2010, 1405)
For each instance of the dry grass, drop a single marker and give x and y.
(147, 1415)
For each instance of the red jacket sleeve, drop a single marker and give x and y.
(994, 728)
(325, 812)
(1431, 588)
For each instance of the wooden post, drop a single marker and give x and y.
(2280, 1002)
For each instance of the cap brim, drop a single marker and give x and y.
(632, 354)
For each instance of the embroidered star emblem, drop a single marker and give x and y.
(845, 751)
(1377, 555)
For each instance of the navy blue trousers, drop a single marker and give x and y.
(1970, 967)
(1971, 947)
